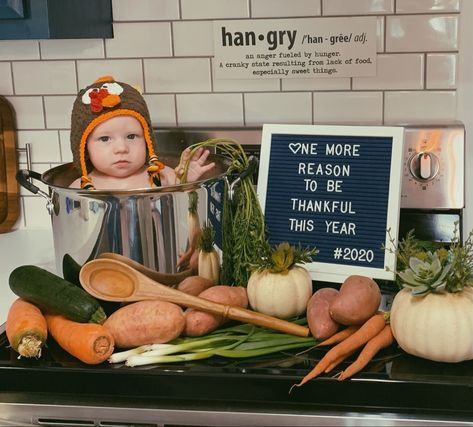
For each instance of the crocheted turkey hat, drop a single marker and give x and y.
(102, 100)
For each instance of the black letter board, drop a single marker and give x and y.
(336, 188)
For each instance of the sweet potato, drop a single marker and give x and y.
(145, 322)
(199, 323)
(358, 299)
(321, 325)
(194, 285)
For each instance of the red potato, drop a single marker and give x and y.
(194, 285)
(321, 325)
(358, 299)
(145, 322)
(199, 323)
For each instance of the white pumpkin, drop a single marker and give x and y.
(437, 326)
(282, 295)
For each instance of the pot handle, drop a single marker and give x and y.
(253, 164)
(23, 177)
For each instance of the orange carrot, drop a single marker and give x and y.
(89, 342)
(184, 258)
(375, 344)
(368, 330)
(339, 336)
(26, 328)
(337, 362)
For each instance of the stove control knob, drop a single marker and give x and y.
(424, 166)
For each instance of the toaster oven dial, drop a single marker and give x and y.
(424, 166)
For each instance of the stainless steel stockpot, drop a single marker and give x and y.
(147, 225)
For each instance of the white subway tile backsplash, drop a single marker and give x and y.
(35, 212)
(421, 33)
(348, 108)
(44, 78)
(20, 223)
(177, 75)
(245, 85)
(214, 9)
(37, 167)
(44, 145)
(65, 146)
(28, 111)
(380, 24)
(139, 40)
(166, 48)
(145, 10)
(6, 79)
(17, 50)
(162, 110)
(209, 110)
(280, 9)
(394, 71)
(421, 106)
(357, 7)
(427, 6)
(322, 83)
(292, 108)
(193, 38)
(441, 71)
(72, 49)
(124, 70)
(58, 111)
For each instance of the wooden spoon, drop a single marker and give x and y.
(112, 280)
(171, 279)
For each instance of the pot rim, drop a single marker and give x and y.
(67, 173)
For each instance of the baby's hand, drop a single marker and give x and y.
(197, 166)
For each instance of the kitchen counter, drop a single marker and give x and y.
(21, 247)
(395, 389)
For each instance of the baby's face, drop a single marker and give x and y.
(117, 147)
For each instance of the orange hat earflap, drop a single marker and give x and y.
(155, 166)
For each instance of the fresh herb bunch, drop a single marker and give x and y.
(244, 232)
(281, 258)
(423, 267)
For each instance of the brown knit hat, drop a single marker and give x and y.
(102, 100)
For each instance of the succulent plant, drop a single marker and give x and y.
(425, 275)
(438, 269)
(281, 258)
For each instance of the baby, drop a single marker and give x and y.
(112, 141)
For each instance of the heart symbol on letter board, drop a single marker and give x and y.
(295, 147)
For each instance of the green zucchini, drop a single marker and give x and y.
(71, 269)
(54, 294)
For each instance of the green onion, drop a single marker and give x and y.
(123, 355)
(237, 341)
(183, 357)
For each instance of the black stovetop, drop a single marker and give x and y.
(394, 382)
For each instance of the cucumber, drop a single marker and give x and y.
(71, 269)
(53, 294)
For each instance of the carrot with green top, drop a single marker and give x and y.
(368, 330)
(384, 339)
